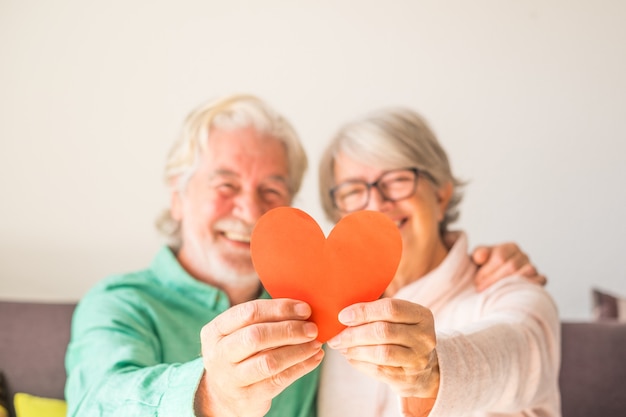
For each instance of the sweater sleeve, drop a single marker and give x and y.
(506, 361)
(114, 364)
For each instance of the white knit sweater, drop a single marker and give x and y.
(499, 350)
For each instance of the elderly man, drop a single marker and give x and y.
(195, 334)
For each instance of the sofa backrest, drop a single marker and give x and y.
(34, 338)
(33, 341)
(593, 369)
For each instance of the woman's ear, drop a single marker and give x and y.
(444, 194)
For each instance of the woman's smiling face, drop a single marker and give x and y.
(416, 216)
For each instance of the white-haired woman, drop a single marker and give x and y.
(433, 343)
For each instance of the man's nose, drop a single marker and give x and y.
(248, 207)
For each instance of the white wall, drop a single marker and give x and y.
(528, 97)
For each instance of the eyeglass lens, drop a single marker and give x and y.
(392, 185)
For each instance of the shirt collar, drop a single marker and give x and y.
(434, 286)
(166, 268)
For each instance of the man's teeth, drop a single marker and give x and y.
(237, 237)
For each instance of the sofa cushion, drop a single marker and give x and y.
(27, 405)
(35, 337)
(4, 397)
(593, 369)
(33, 342)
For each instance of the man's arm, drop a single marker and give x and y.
(114, 363)
(116, 359)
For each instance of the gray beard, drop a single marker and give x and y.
(227, 272)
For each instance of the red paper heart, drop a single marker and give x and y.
(355, 264)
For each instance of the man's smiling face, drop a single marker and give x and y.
(242, 174)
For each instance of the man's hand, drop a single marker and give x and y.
(500, 261)
(252, 352)
(393, 341)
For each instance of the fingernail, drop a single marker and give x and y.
(334, 342)
(302, 310)
(346, 316)
(310, 329)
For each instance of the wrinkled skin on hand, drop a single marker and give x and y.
(498, 262)
(393, 341)
(501, 261)
(251, 353)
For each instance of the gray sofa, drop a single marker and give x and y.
(593, 370)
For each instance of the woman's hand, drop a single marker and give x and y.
(393, 341)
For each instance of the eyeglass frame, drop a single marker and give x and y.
(375, 184)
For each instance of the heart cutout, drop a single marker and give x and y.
(355, 264)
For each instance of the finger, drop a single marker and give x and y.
(392, 355)
(384, 334)
(387, 370)
(406, 382)
(527, 271)
(255, 338)
(531, 274)
(242, 389)
(257, 311)
(486, 280)
(503, 261)
(387, 322)
(385, 340)
(517, 264)
(278, 364)
(481, 254)
(498, 255)
(272, 386)
(385, 309)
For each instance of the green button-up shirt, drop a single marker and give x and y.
(135, 346)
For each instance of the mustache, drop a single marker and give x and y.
(234, 226)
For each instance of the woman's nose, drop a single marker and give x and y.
(377, 201)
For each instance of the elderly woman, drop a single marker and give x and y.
(433, 343)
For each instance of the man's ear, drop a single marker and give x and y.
(444, 194)
(176, 203)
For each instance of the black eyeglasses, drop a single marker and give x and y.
(393, 185)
